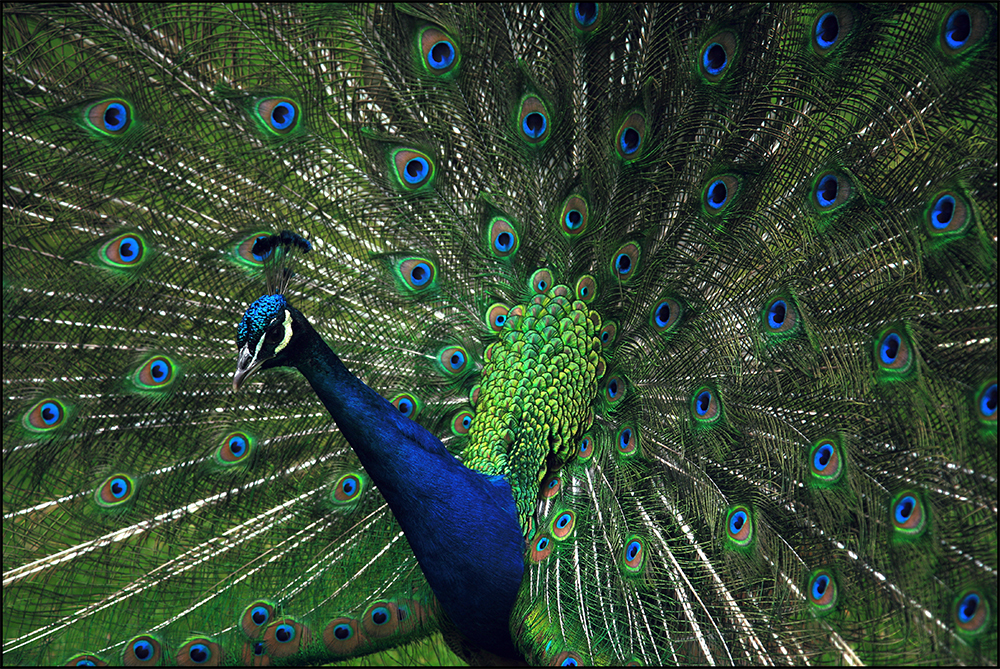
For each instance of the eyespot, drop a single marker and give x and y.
(586, 288)
(716, 57)
(541, 281)
(586, 448)
(256, 618)
(573, 216)
(665, 316)
(199, 651)
(971, 612)
(614, 389)
(831, 190)
(348, 489)
(417, 274)
(285, 637)
(634, 555)
(563, 525)
(909, 516)
(381, 619)
(117, 490)
(630, 136)
(407, 404)
(893, 352)
(502, 238)
(719, 194)
(585, 15)
(112, 118)
(822, 591)
(739, 526)
(567, 658)
(625, 263)
(279, 115)
(45, 416)
(413, 169)
(825, 461)
(156, 374)
(779, 316)
(496, 317)
(85, 660)
(236, 447)
(987, 402)
(453, 360)
(341, 636)
(143, 650)
(439, 53)
(831, 29)
(963, 28)
(533, 121)
(627, 440)
(462, 423)
(245, 251)
(123, 251)
(540, 548)
(551, 486)
(706, 405)
(608, 333)
(947, 214)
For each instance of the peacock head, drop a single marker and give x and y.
(265, 337)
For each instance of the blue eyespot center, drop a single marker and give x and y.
(904, 508)
(988, 403)
(534, 125)
(142, 649)
(504, 242)
(420, 274)
(820, 585)
(717, 194)
(416, 170)
(585, 13)
(284, 633)
(199, 653)
(282, 116)
(889, 348)
(942, 212)
(967, 607)
(115, 117)
(715, 58)
(826, 191)
(703, 402)
(573, 219)
(630, 140)
(827, 30)
(441, 55)
(957, 29)
(259, 615)
(380, 615)
(633, 550)
(776, 315)
(623, 263)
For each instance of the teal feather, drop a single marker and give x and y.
(779, 442)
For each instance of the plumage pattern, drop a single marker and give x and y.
(779, 444)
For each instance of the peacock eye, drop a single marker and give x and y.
(273, 335)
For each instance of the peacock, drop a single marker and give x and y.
(550, 334)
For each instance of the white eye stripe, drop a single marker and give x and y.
(288, 333)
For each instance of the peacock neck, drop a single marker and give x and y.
(462, 525)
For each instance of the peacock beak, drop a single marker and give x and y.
(246, 366)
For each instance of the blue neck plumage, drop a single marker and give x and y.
(462, 526)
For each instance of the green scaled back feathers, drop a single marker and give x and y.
(713, 288)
